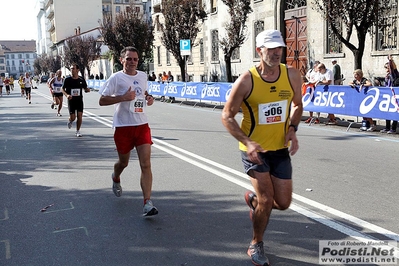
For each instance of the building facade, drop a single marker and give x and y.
(307, 35)
(18, 57)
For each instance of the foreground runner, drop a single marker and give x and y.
(265, 94)
(127, 89)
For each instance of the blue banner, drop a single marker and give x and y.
(216, 92)
(373, 102)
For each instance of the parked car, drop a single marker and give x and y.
(44, 78)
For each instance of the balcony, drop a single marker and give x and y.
(50, 12)
(48, 3)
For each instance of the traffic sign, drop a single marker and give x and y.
(185, 47)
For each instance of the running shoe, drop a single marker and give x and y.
(149, 209)
(384, 130)
(58, 114)
(308, 120)
(69, 124)
(29, 102)
(52, 106)
(249, 197)
(116, 187)
(317, 121)
(78, 134)
(372, 128)
(257, 254)
(391, 131)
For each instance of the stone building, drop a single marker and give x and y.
(306, 33)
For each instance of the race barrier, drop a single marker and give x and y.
(373, 102)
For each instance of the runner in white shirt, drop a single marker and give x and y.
(56, 90)
(127, 89)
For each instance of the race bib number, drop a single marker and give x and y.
(75, 92)
(137, 106)
(272, 113)
(57, 89)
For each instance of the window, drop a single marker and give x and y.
(118, 9)
(12, 56)
(19, 56)
(291, 4)
(159, 55)
(236, 54)
(27, 55)
(214, 5)
(215, 46)
(386, 35)
(1, 61)
(258, 28)
(167, 58)
(333, 44)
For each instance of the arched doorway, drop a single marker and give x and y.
(296, 37)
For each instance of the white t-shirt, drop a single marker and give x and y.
(312, 76)
(129, 113)
(328, 75)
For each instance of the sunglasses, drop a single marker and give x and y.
(135, 59)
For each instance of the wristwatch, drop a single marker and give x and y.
(295, 127)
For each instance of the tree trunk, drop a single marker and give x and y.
(227, 60)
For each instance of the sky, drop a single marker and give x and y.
(18, 20)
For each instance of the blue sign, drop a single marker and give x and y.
(185, 47)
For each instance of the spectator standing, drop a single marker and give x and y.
(336, 72)
(360, 82)
(312, 77)
(73, 88)
(171, 79)
(326, 77)
(127, 89)
(264, 137)
(391, 75)
(164, 77)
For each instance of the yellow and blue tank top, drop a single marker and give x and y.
(266, 111)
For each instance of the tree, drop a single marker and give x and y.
(82, 51)
(53, 63)
(45, 63)
(181, 22)
(236, 30)
(129, 29)
(344, 16)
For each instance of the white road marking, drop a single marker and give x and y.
(336, 225)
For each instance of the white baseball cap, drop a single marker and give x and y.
(270, 39)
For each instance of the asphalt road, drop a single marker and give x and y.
(345, 188)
